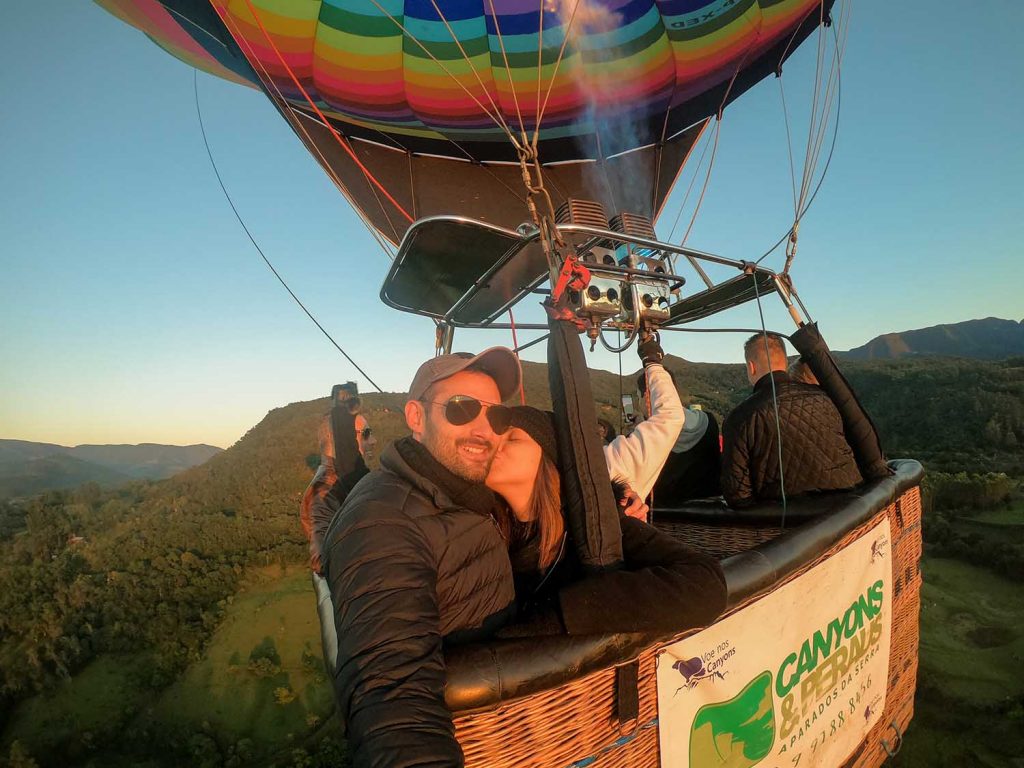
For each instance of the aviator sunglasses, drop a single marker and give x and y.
(462, 409)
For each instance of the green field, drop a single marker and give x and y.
(222, 705)
(222, 693)
(971, 677)
(1007, 516)
(972, 641)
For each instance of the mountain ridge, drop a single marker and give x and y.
(988, 338)
(27, 467)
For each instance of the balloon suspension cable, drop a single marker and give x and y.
(567, 273)
(227, 196)
(794, 233)
(543, 215)
(792, 290)
(292, 116)
(515, 350)
(622, 413)
(833, 90)
(746, 331)
(532, 343)
(342, 142)
(775, 402)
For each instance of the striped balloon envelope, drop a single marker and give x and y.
(415, 107)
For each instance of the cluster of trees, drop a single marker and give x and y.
(123, 572)
(952, 502)
(199, 749)
(951, 413)
(960, 491)
(12, 518)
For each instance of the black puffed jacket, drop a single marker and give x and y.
(815, 454)
(415, 562)
(661, 586)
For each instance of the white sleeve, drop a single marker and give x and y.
(638, 458)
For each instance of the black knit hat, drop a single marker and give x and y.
(540, 425)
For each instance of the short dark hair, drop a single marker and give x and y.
(755, 345)
(349, 387)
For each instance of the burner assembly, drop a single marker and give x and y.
(631, 285)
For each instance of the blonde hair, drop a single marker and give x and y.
(801, 371)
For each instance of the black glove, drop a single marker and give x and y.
(650, 350)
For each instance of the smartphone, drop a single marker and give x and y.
(627, 407)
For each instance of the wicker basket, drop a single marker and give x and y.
(720, 540)
(575, 725)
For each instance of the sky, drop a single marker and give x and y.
(134, 309)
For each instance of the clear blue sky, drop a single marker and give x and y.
(133, 308)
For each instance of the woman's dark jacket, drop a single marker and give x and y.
(662, 586)
(414, 560)
(815, 454)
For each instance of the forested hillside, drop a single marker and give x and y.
(28, 468)
(146, 572)
(990, 338)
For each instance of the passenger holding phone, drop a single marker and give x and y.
(637, 458)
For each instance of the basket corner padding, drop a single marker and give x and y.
(861, 432)
(590, 509)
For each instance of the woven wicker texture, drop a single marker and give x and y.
(577, 721)
(720, 540)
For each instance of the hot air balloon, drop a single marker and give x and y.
(497, 146)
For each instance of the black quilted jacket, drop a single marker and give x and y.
(815, 454)
(413, 559)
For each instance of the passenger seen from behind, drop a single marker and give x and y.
(694, 463)
(815, 454)
(663, 585)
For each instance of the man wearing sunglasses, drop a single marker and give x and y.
(415, 561)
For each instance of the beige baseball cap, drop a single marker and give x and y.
(500, 363)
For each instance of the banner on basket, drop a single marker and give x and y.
(796, 678)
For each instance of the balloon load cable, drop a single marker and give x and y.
(344, 144)
(775, 402)
(515, 350)
(828, 160)
(227, 196)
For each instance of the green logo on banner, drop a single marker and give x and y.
(737, 733)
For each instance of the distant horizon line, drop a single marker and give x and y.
(112, 445)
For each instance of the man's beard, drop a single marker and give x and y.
(447, 453)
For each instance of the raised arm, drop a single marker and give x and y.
(637, 459)
(390, 677)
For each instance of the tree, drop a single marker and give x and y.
(284, 695)
(20, 758)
